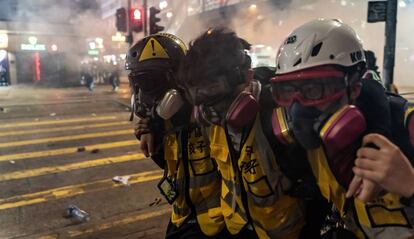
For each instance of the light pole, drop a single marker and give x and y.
(389, 48)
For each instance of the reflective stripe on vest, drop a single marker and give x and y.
(231, 205)
(204, 184)
(383, 218)
(180, 208)
(273, 213)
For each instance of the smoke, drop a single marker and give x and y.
(269, 22)
(66, 24)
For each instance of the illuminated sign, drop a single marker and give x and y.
(118, 37)
(4, 40)
(33, 46)
(30, 47)
(93, 52)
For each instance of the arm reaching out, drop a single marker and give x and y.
(386, 166)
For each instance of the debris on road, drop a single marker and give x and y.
(12, 161)
(95, 151)
(93, 114)
(156, 201)
(81, 149)
(76, 214)
(121, 179)
(52, 114)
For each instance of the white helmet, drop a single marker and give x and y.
(319, 42)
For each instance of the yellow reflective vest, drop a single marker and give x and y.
(255, 174)
(384, 218)
(203, 181)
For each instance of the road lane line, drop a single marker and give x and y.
(61, 121)
(65, 128)
(104, 226)
(55, 152)
(120, 222)
(65, 138)
(73, 190)
(69, 167)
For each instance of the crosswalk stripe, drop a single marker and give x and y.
(48, 237)
(43, 102)
(120, 222)
(105, 225)
(65, 138)
(65, 128)
(51, 122)
(68, 167)
(73, 190)
(55, 152)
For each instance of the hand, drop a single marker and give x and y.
(387, 166)
(147, 144)
(142, 132)
(363, 189)
(141, 127)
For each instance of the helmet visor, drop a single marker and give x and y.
(209, 92)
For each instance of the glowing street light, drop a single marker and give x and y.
(163, 4)
(54, 47)
(169, 14)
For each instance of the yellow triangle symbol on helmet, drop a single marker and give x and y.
(153, 50)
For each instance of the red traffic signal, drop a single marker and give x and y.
(136, 17)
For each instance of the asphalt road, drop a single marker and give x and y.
(63, 146)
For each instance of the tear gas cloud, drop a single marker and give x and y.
(269, 22)
(67, 24)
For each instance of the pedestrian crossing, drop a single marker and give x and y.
(38, 174)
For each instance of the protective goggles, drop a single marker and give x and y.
(310, 87)
(210, 92)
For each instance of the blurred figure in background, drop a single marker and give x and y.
(372, 72)
(86, 77)
(114, 77)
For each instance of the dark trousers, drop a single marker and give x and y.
(191, 230)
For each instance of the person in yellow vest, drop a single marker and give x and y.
(318, 85)
(217, 77)
(191, 182)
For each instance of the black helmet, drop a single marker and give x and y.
(156, 52)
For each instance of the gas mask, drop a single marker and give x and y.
(140, 108)
(170, 104)
(153, 95)
(241, 112)
(305, 125)
(311, 128)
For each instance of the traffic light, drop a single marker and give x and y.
(153, 20)
(121, 19)
(137, 18)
